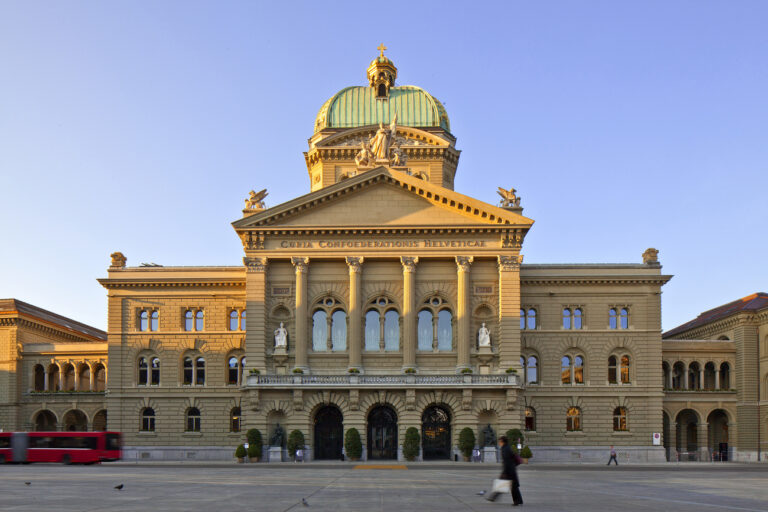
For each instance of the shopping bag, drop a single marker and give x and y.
(500, 486)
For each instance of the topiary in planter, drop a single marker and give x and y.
(525, 453)
(254, 452)
(513, 435)
(466, 442)
(352, 445)
(411, 444)
(254, 442)
(240, 453)
(295, 442)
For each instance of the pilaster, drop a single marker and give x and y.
(409, 310)
(463, 264)
(256, 319)
(509, 311)
(301, 265)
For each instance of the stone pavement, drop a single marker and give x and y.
(342, 487)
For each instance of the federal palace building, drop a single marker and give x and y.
(383, 299)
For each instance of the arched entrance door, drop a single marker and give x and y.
(329, 433)
(382, 433)
(436, 433)
(718, 434)
(687, 435)
(45, 421)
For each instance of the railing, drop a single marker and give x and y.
(382, 380)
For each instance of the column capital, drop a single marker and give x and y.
(510, 263)
(300, 262)
(255, 264)
(409, 263)
(355, 263)
(463, 263)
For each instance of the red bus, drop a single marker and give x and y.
(65, 447)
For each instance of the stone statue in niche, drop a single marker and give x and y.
(278, 437)
(281, 337)
(484, 337)
(489, 436)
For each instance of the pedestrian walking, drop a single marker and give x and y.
(509, 463)
(613, 457)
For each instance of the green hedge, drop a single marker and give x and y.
(411, 444)
(352, 445)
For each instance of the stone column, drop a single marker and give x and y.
(671, 377)
(686, 377)
(45, 380)
(701, 378)
(462, 312)
(717, 378)
(409, 310)
(76, 377)
(355, 338)
(509, 312)
(256, 337)
(302, 268)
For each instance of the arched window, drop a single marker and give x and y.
(143, 372)
(68, 377)
(612, 374)
(573, 419)
(234, 420)
(613, 319)
(565, 370)
(522, 319)
(425, 330)
(618, 318)
(678, 371)
(624, 313)
(694, 374)
(339, 330)
(578, 370)
(234, 320)
(530, 319)
(199, 320)
(444, 330)
(709, 376)
(99, 377)
(143, 320)
(530, 419)
(188, 371)
(566, 318)
(725, 376)
(372, 330)
(154, 320)
(154, 371)
(53, 377)
(242, 320)
(320, 331)
(188, 318)
(625, 369)
(578, 317)
(233, 371)
(391, 331)
(200, 371)
(620, 419)
(193, 420)
(147, 419)
(530, 369)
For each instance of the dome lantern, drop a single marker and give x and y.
(382, 74)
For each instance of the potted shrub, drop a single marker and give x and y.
(515, 435)
(466, 442)
(526, 454)
(240, 453)
(352, 445)
(411, 444)
(295, 442)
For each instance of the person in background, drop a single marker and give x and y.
(613, 457)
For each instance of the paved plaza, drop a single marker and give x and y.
(345, 487)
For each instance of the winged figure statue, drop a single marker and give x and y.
(255, 200)
(508, 198)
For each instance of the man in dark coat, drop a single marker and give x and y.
(509, 463)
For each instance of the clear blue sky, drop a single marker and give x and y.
(141, 126)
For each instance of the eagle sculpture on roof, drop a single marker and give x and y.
(508, 198)
(255, 200)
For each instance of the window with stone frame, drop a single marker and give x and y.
(192, 420)
(149, 371)
(148, 320)
(530, 365)
(382, 325)
(620, 419)
(147, 420)
(528, 319)
(234, 419)
(572, 369)
(618, 317)
(329, 326)
(530, 419)
(235, 366)
(194, 320)
(573, 318)
(573, 419)
(143, 378)
(435, 326)
(237, 320)
(193, 370)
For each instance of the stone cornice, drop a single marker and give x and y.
(54, 331)
(718, 326)
(595, 280)
(347, 154)
(112, 283)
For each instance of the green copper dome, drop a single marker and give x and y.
(358, 106)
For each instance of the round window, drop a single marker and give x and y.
(328, 302)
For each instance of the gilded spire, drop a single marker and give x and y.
(382, 73)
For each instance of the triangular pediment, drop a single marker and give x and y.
(382, 197)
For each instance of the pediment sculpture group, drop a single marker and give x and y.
(381, 148)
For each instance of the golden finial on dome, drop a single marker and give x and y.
(381, 48)
(382, 73)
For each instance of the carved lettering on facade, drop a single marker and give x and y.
(371, 244)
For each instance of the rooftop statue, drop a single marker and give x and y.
(508, 198)
(255, 200)
(380, 147)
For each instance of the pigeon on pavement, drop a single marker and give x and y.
(119, 487)
(304, 502)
